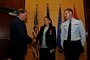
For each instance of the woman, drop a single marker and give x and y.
(47, 40)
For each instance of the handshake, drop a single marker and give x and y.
(52, 50)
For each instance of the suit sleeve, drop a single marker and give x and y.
(62, 34)
(23, 33)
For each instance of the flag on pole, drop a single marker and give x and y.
(36, 19)
(74, 12)
(59, 31)
(48, 14)
(35, 46)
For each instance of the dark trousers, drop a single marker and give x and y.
(18, 54)
(72, 50)
(46, 55)
(16, 51)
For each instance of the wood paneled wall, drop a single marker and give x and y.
(5, 19)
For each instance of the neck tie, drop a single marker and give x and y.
(69, 32)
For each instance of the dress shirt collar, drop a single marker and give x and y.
(71, 19)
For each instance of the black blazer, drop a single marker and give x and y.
(18, 36)
(50, 36)
(18, 32)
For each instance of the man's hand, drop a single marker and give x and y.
(52, 50)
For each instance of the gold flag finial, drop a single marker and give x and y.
(47, 4)
(36, 5)
(59, 5)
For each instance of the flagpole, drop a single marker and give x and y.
(59, 5)
(74, 11)
(59, 31)
(37, 25)
(74, 3)
(35, 46)
(36, 5)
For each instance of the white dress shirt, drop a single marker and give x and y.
(43, 38)
(77, 31)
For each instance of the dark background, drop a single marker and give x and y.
(87, 21)
(5, 18)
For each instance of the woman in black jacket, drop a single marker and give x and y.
(47, 40)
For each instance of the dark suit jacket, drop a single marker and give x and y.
(50, 36)
(18, 37)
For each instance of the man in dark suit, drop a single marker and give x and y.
(18, 36)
